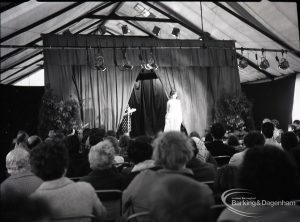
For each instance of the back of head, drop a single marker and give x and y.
(49, 160)
(267, 129)
(172, 150)
(33, 141)
(217, 130)
(73, 144)
(296, 122)
(269, 173)
(275, 123)
(176, 198)
(289, 140)
(111, 133)
(124, 141)
(226, 178)
(233, 140)
(254, 138)
(139, 151)
(114, 142)
(17, 161)
(101, 156)
(145, 139)
(96, 136)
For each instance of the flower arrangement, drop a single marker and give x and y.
(56, 114)
(232, 111)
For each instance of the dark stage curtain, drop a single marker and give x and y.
(149, 99)
(20, 111)
(198, 73)
(273, 100)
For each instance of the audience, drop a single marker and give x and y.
(202, 171)
(21, 180)
(277, 131)
(172, 151)
(123, 145)
(267, 130)
(33, 141)
(252, 139)
(217, 147)
(289, 140)
(113, 140)
(177, 198)
(78, 162)
(49, 161)
(139, 154)
(104, 175)
(270, 174)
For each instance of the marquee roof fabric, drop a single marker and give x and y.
(258, 25)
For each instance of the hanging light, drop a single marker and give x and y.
(264, 63)
(243, 63)
(126, 65)
(175, 32)
(283, 64)
(100, 63)
(156, 30)
(125, 29)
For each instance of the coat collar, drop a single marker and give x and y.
(54, 184)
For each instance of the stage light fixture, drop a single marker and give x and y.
(243, 63)
(175, 31)
(156, 30)
(284, 64)
(143, 11)
(264, 64)
(100, 63)
(125, 29)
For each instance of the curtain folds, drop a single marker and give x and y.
(200, 73)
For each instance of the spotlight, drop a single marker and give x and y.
(264, 64)
(243, 63)
(102, 29)
(100, 64)
(175, 31)
(156, 30)
(125, 29)
(284, 64)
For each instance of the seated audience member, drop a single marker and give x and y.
(139, 154)
(270, 175)
(111, 133)
(296, 122)
(123, 145)
(172, 151)
(25, 209)
(295, 155)
(289, 140)
(104, 175)
(21, 181)
(179, 199)
(217, 147)
(85, 134)
(114, 142)
(78, 163)
(49, 161)
(208, 139)
(202, 171)
(267, 130)
(21, 140)
(96, 136)
(233, 141)
(252, 139)
(277, 131)
(292, 128)
(33, 141)
(226, 179)
(203, 154)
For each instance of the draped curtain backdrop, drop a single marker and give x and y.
(200, 74)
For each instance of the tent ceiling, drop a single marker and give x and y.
(264, 24)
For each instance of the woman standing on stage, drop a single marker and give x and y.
(174, 115)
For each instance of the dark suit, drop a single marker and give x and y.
(202, 171)
(218, 148)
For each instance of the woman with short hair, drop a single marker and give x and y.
(49, 161)
(172, 151)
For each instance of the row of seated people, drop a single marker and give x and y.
(164, 175)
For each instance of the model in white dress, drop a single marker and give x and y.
(174, 114)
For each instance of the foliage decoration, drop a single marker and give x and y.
(58, 115)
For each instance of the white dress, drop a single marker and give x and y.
(173, 116)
